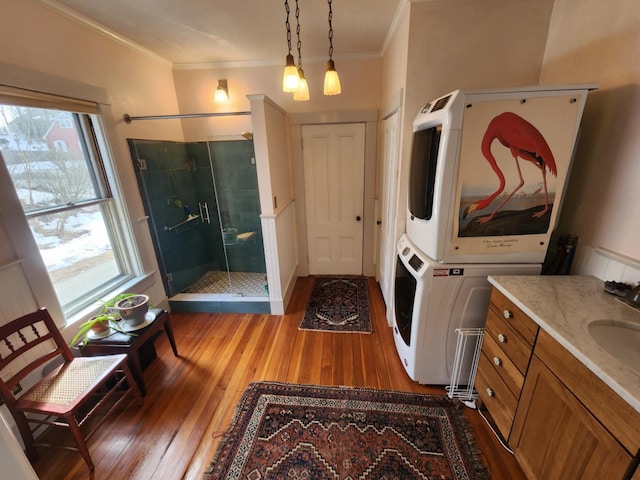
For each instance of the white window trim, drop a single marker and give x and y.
(20, 234)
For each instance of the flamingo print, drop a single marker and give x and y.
(525, 141)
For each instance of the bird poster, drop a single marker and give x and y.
(515, 156)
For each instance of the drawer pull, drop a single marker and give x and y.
(490, 392)
(497, 362)
(502, 338)
(507, 313)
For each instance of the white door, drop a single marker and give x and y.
(334, 189)
(387, 253)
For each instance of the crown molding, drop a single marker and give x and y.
(403, 6)
(271, 63)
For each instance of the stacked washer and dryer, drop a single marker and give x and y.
(487, 177)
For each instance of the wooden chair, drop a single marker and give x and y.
(78, 390)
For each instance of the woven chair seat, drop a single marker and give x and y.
(77, 395)
(70, 381)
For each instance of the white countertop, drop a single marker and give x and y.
(563, 306)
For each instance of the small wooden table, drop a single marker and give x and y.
(138, 346)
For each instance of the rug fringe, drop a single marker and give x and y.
(478, 463)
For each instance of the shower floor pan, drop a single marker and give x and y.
(211, 293)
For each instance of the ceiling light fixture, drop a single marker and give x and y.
(331, 80)
(222, 92)
(290, 79)
(302, 93)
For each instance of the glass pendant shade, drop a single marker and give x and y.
(302, 94)
(331, 80)
(290, 80)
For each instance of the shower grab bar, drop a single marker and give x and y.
(128, 118)
(204, 212)
(190, 218)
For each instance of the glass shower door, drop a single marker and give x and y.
(236, 186)
(175, 179)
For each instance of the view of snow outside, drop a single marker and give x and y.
(80, 260)
(86, 234)
(43, 151)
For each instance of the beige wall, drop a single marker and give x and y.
(455, 44)
(42, 49)
(394, 62)
(360, 80)
(595, 41)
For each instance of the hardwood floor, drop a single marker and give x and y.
(191, 399)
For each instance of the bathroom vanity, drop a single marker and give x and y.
(559, 375)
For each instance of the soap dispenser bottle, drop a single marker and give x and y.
(633, 297)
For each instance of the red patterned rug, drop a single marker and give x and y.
(338, 304)
(295, 432)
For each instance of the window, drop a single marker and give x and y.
(66, 197)
(65, 122)
(60, 146)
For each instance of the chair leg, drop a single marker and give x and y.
(27, 435)
(79, 438)
(133, 385)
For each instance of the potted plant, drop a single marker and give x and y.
(108, 318)
(99, 325)
(132, 309)
(109, 306)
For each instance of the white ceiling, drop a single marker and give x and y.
(239, 32)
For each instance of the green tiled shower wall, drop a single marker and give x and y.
(173, 178)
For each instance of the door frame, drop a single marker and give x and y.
(395, 223)
(370, 120)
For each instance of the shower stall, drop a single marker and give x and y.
(204, 214)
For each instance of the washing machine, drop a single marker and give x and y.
(432, 300)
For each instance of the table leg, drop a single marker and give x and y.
(169, 331)
(133, 360)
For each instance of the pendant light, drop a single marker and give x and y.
(331, 80)
(290, 79)
(302, 93)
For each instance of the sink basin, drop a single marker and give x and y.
(621, 340)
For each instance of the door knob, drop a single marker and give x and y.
(379, 222)
(358, 218)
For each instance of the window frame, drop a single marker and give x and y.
(103, 166)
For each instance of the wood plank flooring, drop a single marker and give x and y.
(191, 399)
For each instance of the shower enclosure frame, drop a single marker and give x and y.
(211, 302)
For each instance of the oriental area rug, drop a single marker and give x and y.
(294, 432)
(338, 304)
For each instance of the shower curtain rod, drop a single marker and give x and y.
(128, 118)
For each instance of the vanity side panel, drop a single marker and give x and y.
(608, 407)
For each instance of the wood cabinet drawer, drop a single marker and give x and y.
(513, 346)
(495, 396)
(513, 316)
(510, 374)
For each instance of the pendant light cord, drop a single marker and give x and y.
(330, 31)
(286, 7)
(298, 34)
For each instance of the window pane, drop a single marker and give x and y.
(46, 156)
(55, 165)
(78, 252)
